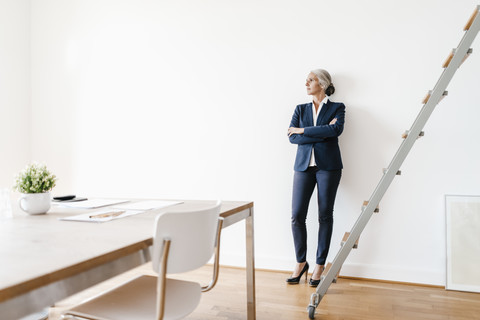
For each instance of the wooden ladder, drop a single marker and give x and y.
(433, 97)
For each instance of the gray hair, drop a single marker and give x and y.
(325, 80)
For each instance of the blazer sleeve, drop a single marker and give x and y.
(328, 130)
(300, 138)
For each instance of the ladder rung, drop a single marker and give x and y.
(470, 21)
(345, 237)
(399, 172)
(450, 57)
(327, 269)
(427, 97)
(405, 134)
(365, 203)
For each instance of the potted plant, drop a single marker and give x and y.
(35, 183)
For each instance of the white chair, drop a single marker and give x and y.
(183, 241)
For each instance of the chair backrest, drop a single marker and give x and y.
(192, 235)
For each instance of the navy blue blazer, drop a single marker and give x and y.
(321, 136)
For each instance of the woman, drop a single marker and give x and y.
(315, 128)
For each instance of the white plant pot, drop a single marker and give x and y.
(35, 203)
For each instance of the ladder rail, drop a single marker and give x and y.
(398, 159)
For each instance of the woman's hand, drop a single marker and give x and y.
(333, 121)
(293, 130)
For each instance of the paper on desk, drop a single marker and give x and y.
(91, 203)
(147, 205)
(85, 217)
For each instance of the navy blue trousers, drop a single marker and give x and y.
(303, 185)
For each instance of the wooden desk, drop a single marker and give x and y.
(44, 260)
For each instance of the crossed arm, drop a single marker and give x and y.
(316, 134)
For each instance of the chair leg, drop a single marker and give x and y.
(217, 258)
(162, 280)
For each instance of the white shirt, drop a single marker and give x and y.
(315, 116)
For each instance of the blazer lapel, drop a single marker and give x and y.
(323, 111)
(309, 115)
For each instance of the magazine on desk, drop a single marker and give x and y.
(90, 203)
(117, 210)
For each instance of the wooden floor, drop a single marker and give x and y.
(346, 299)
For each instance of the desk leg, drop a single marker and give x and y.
(250, 267)
(146, 254)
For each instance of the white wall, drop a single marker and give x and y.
(14, 88)
(192, 99)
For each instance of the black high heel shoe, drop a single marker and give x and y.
(296, 280)
(315, 283)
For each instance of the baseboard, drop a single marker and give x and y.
(394, 274)
(400, 274)
(340, 277)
